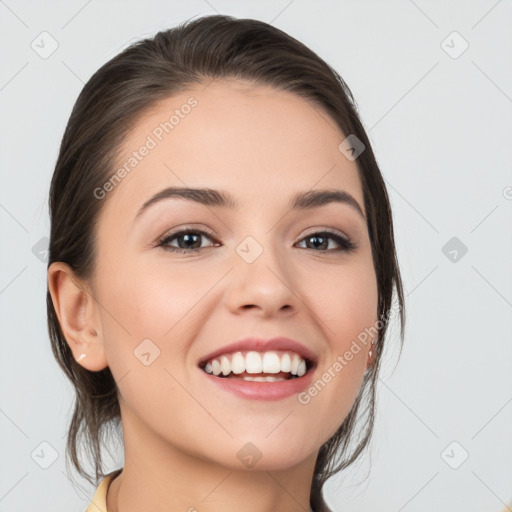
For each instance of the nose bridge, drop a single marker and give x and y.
(261, 276)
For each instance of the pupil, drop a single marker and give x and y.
(317, 238)
(187, 238)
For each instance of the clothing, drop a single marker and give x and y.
(99, 501)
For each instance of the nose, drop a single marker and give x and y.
(261, 281)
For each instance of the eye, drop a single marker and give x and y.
(321, 240)
(187, 240)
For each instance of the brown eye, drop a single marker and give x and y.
(320, 240)
(188, 240)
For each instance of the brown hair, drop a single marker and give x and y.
(119, 93)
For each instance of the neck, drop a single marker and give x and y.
(160, 477)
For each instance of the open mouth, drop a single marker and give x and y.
(271, 366)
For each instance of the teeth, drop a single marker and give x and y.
(216, 367)
(263, 379)
(286, 363)
(271, 363)
(295, 364)
(237, 363)
(255, 362)
(225, 365)
(301, 370)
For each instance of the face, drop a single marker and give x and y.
(259, 270)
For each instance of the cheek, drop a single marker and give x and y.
(346, 300)
(144, 336)
(346, 304)
(150, 301)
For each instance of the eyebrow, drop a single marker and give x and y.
(218, 198)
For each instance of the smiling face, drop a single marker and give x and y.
(263, 270)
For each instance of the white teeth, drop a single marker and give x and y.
(295, 363)
(286, 363)
(216, 367)
(238, 363)
(263, 379)
(225, 365)
(271, 363)
(255, 362)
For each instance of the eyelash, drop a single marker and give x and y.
(346, 245)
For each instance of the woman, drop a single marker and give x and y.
(221, 273)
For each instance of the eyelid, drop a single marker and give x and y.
(346, 243)
(322, 229)
(211, 234)
(187, 227)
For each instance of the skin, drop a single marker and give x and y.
(181, 433)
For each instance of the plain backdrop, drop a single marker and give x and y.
(433, 84)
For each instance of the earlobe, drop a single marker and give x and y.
(371, 356)
(78, 315)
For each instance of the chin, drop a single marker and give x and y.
(260, 454)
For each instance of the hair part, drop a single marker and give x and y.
(108, 107)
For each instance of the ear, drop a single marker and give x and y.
(371, 356)
(79, 316)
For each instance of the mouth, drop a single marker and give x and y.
(259, 366)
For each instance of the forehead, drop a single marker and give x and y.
(257, 142)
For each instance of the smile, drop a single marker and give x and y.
(270, 366)
(271, 375)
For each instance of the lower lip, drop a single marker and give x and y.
(262, 390)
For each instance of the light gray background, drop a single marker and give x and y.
(441, 130)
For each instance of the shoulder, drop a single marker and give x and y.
(99, 500)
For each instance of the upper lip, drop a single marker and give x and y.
(261, 345)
